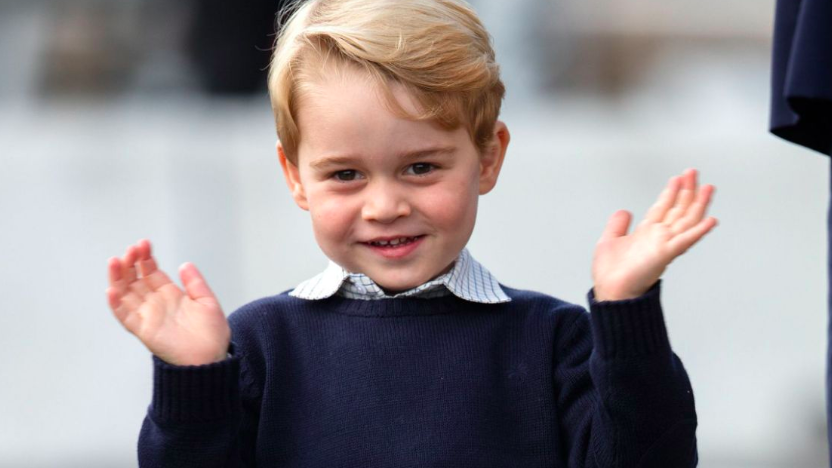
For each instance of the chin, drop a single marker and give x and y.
(399, 284)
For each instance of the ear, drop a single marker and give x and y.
(491, 161)
(292, 176)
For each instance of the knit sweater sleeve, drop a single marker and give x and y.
(201, 416)
(624, 397)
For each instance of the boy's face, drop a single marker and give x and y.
(392, 198)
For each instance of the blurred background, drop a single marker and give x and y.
(121, 120)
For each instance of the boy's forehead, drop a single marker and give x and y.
(339, 117)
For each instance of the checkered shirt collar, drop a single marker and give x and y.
(467, 280)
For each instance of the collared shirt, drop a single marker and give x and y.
(467, 280)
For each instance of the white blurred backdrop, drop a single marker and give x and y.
(106, 137)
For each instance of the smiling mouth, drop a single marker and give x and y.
(395, 242)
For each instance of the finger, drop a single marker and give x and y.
(657, 212)
(128, 267)
(684, 198)
(695, 212)
(143, 255)
(681, 243)
(194, 283)
(617, 225)
(153, 277)
(114, 272)
(114, 299)
(132, 282)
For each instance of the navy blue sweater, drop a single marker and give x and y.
(535, 382)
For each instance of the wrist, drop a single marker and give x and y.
(602, 293)
(195, 359)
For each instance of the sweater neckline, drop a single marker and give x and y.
(401, 306)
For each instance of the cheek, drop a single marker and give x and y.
(332, 216)
(454, 205)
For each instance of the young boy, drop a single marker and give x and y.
(405, 351)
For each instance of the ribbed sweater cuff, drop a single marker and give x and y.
(195, 393)
(629, 327)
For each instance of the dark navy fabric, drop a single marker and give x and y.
(801, 78)
(442, 382)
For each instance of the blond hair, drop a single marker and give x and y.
(437, 49)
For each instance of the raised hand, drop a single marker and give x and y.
(179, 328)
(626, 266)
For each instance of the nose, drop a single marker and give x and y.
(385, 203)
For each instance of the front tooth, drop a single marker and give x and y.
(395, 241)
(382, 242)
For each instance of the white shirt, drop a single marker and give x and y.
(467, 280)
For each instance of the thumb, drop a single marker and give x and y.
(617, 225)
(194, 283)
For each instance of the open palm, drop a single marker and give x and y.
(626, 266)
(182, 328)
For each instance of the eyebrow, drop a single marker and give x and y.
(346, 160)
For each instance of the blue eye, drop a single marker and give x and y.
(420, 168)
(346, 176)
